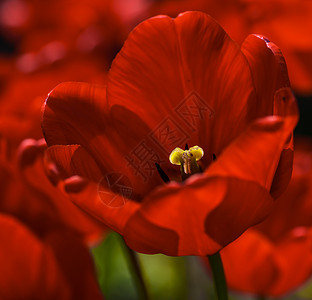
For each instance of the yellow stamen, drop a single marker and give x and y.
(187, 158)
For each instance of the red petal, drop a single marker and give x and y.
(76, 263)
(30, 271)
(77, 114)
(113, 209)
(46, 206)
(249, 263)
(270, 78)
(288, 232)
(284, 105)
(255, 154)
(169, 68)
(283, 173)
(255, 264)
(68, 112)
(294, 207)
(269, 71)
(74, 160)
(59, 267)
(294, 256)
(196, 218)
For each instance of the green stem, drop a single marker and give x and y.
(218, 276)
(134, 266)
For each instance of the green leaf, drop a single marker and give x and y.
(113, 275)
(164, 276)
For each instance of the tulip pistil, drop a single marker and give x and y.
(187, 159)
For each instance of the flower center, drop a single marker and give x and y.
(187, 159)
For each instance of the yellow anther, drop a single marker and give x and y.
(197, 152)
(176, 156)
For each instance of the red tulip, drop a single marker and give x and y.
(56, 265)
(177, 81)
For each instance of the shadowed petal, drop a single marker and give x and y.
(261, 271)
(76, 263)
(77, 114)
(74, 160)
(269, 72)
(294, 255)
(113, 209)
(70, 106)
(255, 264)
(58, 266)
(255, 154)
(30, 272)
(270, 77)
(46, 205)
(198, 213)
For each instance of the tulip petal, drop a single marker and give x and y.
(77, 114)
(189, 76)
(271, 263)
(70, 106)
(57, 266)
(268, 69)
(283, 173)
(262, 270)
(98, 200)
(30, 272)
(295, 204)
(76, 263)
(278, 244)
(45, 201)
(255, 154)
(74, 160)
(270, 77)
(199, 213)
(294, 254)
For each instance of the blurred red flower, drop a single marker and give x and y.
(25, 83)
(78, 26)
(177, 81)
(56, 265)
(21, 99)
(44, 253)
(51, 259)
(286, 23)
(274, 257)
